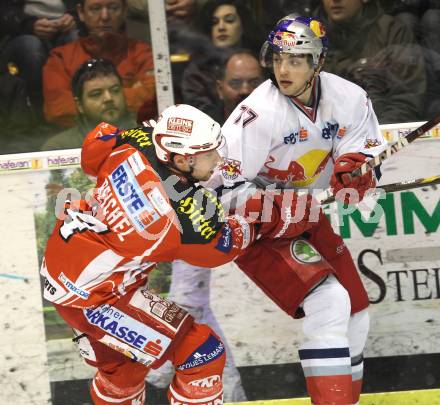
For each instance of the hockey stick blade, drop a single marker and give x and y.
(395, 147)
(394, 187)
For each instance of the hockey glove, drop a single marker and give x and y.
(341, 178)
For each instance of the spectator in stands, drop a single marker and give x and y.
(180, 18)
(407, 11)
(270, 11)
(99, 97)
(227, 24)
(17, 119)
(430, 41)
(175, 9)
(380, 54)
(423, 18)
(33, 28)
(102, 36)
(237, 77)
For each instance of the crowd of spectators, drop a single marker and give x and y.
(390, 48)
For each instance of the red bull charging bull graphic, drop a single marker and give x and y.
(299, 173)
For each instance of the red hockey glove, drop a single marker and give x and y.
(290, 216)
(97, 145)
(341, 178)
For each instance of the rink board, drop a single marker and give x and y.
(399, 260)
(420, 397)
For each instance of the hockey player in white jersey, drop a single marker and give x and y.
(307, 129)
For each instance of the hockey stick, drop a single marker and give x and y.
(395, 147)
(394, 187)
(389, 151)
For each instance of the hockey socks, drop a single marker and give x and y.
(104, 392)
(357, 372)
(328, 375)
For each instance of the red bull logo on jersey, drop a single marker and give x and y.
(294, 172)
(371, 143)
(230, 169)
(301, 172)
(182, 125)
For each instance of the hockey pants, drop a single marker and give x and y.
(190, 289)
(196, 351)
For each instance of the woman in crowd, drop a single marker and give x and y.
(224, 24)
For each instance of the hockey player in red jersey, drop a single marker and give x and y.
(147, 207)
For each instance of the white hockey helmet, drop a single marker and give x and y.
(296, 35)
(185, 130)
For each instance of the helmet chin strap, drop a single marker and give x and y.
(307, 85)
(189, 173)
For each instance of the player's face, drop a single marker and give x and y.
(342, 10)
(292, 72)
(242, 75)
(204, 164)
(226, 28)
(102, 16)
(102, 100)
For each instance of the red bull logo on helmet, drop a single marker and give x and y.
(318, 28)
(182, 125)
(284, 39)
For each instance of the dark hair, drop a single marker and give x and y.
(252, 37)
(220, 69)
(89, 70)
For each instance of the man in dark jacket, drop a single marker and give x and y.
(379, 53)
